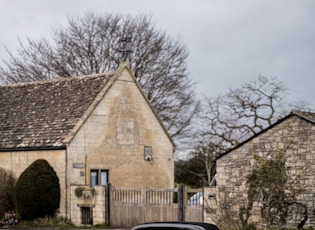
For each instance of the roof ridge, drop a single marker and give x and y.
(296, 111)
(307, 115)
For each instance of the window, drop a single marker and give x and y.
(104, 177)
(94, 178)
(98, 177)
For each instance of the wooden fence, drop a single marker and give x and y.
(131, 206)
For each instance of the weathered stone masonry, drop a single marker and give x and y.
(296, 136)
(98, 123)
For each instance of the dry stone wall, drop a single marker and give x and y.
(294, 136)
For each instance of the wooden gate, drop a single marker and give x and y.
(131, 206)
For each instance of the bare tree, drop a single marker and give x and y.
(245, 111)
(199, 168)
(97, 44)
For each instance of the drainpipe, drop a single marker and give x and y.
(66, 182)
(85, 174)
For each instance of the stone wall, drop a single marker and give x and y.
(294, 136)
(114, 138)
(210, 204)
(94, 199)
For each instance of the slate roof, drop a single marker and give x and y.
(41, 115)
(307, 116)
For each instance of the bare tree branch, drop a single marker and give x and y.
(244, 111)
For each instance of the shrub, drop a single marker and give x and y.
(37, 191)
(7, 182)
(226, 218)
(79, 192)
(9, 219)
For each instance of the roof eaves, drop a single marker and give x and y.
(24, 149)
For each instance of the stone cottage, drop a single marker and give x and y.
(295, 136)
(93, 130)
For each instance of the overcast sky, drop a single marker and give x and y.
(230, 42)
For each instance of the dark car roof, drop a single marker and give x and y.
(177, 225)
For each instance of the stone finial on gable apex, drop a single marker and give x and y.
(123, 64)
(124, 68)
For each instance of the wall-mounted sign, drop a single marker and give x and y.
(79, 165)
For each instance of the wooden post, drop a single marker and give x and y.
(107, 204)
(181, 211)
(143, 204)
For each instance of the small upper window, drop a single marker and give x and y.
(94, 178)
(98, 177)
(104, 177)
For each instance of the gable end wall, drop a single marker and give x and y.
(299, 136)
(114, 136)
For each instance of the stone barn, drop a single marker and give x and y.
(93, 130)
(295, 136)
